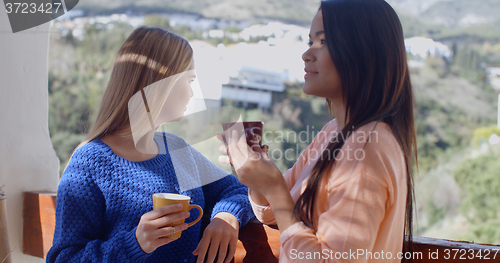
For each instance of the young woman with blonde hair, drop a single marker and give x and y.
(104, 200)
(349, 196)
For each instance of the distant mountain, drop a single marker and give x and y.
(412, 6)
(450, 13)
(300, 11)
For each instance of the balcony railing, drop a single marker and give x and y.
(257, 242)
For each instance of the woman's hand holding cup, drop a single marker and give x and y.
(154, 225)
(166, 222)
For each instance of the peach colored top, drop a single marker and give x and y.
(360, 208)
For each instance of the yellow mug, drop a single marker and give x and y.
(165, 199)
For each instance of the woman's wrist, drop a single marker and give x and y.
(229, 218)
(258, 198)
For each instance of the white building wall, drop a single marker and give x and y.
(262, 98)
(498, 109)
(27, 159)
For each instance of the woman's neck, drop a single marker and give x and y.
(123, 145)
(339, 112)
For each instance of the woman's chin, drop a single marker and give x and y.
(307, 90)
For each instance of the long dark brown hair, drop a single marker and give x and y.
(366, 44)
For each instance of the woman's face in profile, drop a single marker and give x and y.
(178, 98)
(321, 78)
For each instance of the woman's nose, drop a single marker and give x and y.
(307, 56)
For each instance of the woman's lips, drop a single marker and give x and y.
(309, 73)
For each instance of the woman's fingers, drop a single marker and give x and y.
(223, 148)
(217, 239)
(169, 230)
(235, 153)
(265, 148)
(223, 250)
(233, 142)
(232, 250)
(239, 151)
(214, 246)
(152, 226)
(162, 211)
(202, 249)
(224, 159)
(168, 219)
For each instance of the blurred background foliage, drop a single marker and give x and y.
(457, 186)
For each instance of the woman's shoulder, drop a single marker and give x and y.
(374, 133)
(90, 155)
(95, 148)
(373, 151)
(374, 144)
(376, 148)
(89, 164)
(330, 126)
(322, 137)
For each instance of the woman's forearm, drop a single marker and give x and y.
(282, 204)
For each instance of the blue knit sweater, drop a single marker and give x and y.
(102, 196)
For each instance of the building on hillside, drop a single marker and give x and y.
(494, 80)
(494, 77)
(425, 47)
(252, 88)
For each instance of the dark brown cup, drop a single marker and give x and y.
(244, 128)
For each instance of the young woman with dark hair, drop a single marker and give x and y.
(349, 196)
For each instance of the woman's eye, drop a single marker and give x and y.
(323, 41)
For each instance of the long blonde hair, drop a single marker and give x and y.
(148, 55)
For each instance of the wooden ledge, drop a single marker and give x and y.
(257, 242)
(39, 222)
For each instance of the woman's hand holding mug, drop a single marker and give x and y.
(155, 224)
(166, 222)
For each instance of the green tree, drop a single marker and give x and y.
(157, 21)
(478, 178)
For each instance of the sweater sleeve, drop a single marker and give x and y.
(80, 211)
(226, 194)
(229, 195)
